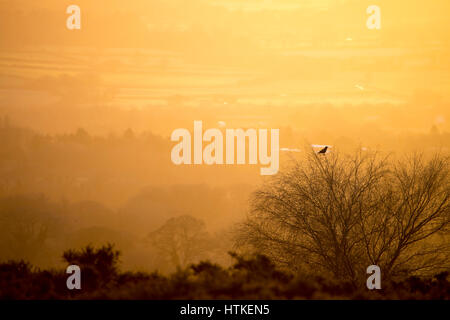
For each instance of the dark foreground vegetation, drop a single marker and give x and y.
(248, 278)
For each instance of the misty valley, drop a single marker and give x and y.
(224, 150)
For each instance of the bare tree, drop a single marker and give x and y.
(182, 240)
(338, 214)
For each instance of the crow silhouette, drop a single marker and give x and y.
(324, 150)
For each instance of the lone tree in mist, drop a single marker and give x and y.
(182, 240)
(338, 214)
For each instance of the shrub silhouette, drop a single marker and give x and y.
(250, 277)
(99, 266)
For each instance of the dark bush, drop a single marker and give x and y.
(248, 278)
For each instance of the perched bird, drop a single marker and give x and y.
(324, 150)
